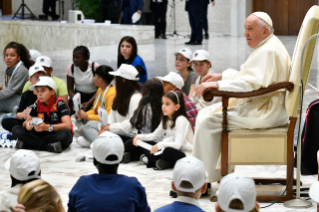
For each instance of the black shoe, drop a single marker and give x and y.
(163, 164)
(189, 42)
(19, 144)
(173, 194)
(164, 37)
(55, 147)
(206, 36)
(156, 37)
(196, 43)
(55, 18)
(127, 157)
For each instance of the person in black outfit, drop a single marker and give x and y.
(47, 4)
(110, 10)
(195, 14)
(159, 8)
(204, 18)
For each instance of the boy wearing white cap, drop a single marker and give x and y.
(60, 86)
(237, 193)
(189, 181)
(184, 67)
(24, 167)
(27, 99)
(48, 126)
(174, 82)
(108, 190)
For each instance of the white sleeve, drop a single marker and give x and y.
(121, 128)
(237, 85)
(112, 118)
(154, 136)
(229, 74)
(181, 126)
(135, 100)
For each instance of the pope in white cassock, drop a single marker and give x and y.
(268, 64)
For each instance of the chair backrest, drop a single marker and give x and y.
(309, 27)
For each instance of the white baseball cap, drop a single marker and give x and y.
(173, 78)
(36, 68)
(201, 55)
(127, 72)
(22, 163)
(185, 52)
(44, 61)
(43, 81)
(34, 54)
(106, 145)
(264, 16)
(236, 186)
(191, 170)
(314, 192)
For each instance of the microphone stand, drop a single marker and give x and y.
(174, 22)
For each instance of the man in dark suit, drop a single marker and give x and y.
(110, 10)
(159, 9)
(129, 7)
(195, 13)
(204, 19)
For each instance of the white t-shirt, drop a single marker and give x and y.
(84, 81)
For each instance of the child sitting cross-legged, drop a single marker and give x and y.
(189, 181)
(179, 135)
(55, 132)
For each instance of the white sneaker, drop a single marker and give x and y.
(82, 142)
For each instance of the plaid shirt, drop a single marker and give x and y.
(190, 109)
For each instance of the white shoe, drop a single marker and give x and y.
(82, 142)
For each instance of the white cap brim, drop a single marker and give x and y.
(199, 58)
(118, 74)
(164, 79)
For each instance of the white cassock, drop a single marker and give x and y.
(268, 64)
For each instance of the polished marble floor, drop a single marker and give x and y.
(62, 171)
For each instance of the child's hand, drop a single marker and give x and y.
(26, 112)
(18, 208)
(103, 129)
(83, 115)
(42, 127)
(85, 106)
(26, 124)
(135, 140)
(154, 149)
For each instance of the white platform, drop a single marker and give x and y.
(55, 36)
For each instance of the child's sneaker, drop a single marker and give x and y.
(19, 144)
(4, 135)
(55, 147)
(82, 142)
(127, 157)
(144, 159)
(163, 164)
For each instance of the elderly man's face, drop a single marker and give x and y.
(254, 32)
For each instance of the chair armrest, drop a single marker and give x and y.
(209, 93)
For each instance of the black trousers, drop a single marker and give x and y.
(159, 14)
(195, 20)
(47, 4)
(40, 140)
(169, 154)
(204, 19)
(9, 123)
(110, 11)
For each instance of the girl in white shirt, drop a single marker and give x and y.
(174, 134)
(80, 78)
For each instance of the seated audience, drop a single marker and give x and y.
(202, 65)
(183, 65)
(39, 195)
(104, 100)
(127, 98)
(46, 63)
(177, 129)
(80, 78)
(107, 190)
(236, 193)
(27, 99)
(174, 82)
(127, 54)
(17, 59)
(189, 177)
(55, 132)
(24, 167)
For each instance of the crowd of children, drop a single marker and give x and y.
(151, 120)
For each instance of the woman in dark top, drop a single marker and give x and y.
(127, 54)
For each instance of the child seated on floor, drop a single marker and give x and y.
(178, 130)
(61, 89)
(174, 82)
(27, 99)
(237, 193)
(24, 167)
(108, 190)
(104, 100)
(55, 132)
(189, 177)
